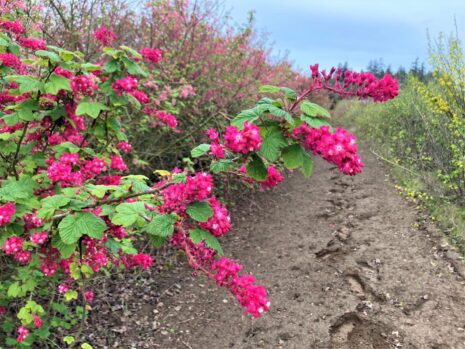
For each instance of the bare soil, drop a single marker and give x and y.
(349, 264)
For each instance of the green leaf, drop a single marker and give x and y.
(293, 156)
(92, 109)
(289, 93)
(72, 227)
(12, 190)
(256, 169)
(200, 211)
(272, 144)
(69, 340)
(127, 213)
(249, 115)
(312, 109)
(314, 121)
(162, 225)
(200, 150)
(179, 178)
(86, 346)
(307, 164)
(269, 89)
(198, 235)
(70, 295)
(281, 113)
(133, 68)
(26, 110)
(26, 83)
(221, 165)
(52, 56)
(14, 290)
(56, 83)
(65, 250)
(50, 204)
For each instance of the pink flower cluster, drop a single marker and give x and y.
(124, 146)
(10, 60)
(83, 84)
(220, 223)
(338, 148)
(6, 212)
(274, 177)
(244, 141)
(32, 43)
(216, 149)
(127, 84)
(23, 332)
(151, 54)
(252, 297)
(161, 117)
(105, 36)
(12, 27)
(176, 197)
(14, 246)
(350, 83)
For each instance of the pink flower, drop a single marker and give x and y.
(220, 223)
(32, 44)
(244, 141)
(13, 27)
(23, 332)
(117, 163)
(10, 60)
(151, 54)
(140, 96)
(23, 257)
(127, 84)
(37, 321)
(217, 150)
(12, 245)
(63, 288)
(338, 148)
(124, 146)
(273, 178)
(83, 84)
(6, 212)
(105, 36)
(39, 238)
(89, 295)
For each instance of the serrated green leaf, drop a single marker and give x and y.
(198, 235)
(50, 204)
(269, 89)
(200, 211)
(307, 165)
(272, 144)
(221, 166)
(162, 225)
(26, 83)
(313, 121)
(52, 56)
(72, 227)
(92, 109)
(65, 250)
(200, 150)
(293, 156)
(281, 113)
(256, 169)
(311, 109)
(56, 83)
(289, 93)
(127, 213)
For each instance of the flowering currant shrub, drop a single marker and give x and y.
(70, 210)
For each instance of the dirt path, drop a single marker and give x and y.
(349, 264)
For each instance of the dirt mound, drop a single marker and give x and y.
(348, 264)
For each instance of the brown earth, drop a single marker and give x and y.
(349, 264)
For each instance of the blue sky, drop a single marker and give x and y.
(356, 31)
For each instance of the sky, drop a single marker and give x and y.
(329, 32)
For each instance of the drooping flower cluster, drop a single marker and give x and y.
(105, 36)
(338, 148)
(32, 43)
(151, 54)
(274, 177)
(6, 212)
(162, 117)
(220, 223)
(251, 296)
(244, 141)
(350, 83)
(83, 84)
(197, 188)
